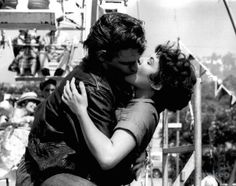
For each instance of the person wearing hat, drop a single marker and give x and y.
(15, 135)
(25, 107)
(47, 87)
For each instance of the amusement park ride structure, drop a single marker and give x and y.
(72, 16)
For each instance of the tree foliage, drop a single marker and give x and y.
(218, 130)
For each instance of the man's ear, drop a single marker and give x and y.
(102, 55)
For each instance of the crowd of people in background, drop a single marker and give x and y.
(10, 104)
(16, 118)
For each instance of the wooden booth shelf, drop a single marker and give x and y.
(41, 78)
(30, 19)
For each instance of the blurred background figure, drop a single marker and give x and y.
(47, 87)
(6, 109)
(55, 52)
(25, 49)
(24, 110)
(14, 134)
(210, 180)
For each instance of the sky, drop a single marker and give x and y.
(203, 26)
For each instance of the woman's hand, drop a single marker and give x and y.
(77, 102)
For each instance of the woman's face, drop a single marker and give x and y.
(30, 106)
(146, 67)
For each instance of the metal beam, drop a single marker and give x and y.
(198, 133)
(186, 172)
(230, 15)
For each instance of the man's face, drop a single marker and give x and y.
(48, 90)
(126, 62)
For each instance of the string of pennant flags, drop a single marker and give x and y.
(220, 89)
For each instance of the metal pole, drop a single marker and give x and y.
(198, 133)
(230, 15)
(165, 158)
(94, 8)
(138, 10)
(150, 162)
(177, 144)
(146, 175)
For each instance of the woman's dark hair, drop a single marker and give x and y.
(175, 79)
(111, 33)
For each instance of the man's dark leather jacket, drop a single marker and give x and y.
(56, 143)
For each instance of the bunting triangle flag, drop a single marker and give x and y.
(221, 92)
(220, 89)
(232, 100)
(190, 57)
(202, 70)
(217, 87)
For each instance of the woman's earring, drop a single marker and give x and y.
(156, 87)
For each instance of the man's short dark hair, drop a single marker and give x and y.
(43, 84)
(114, 32)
